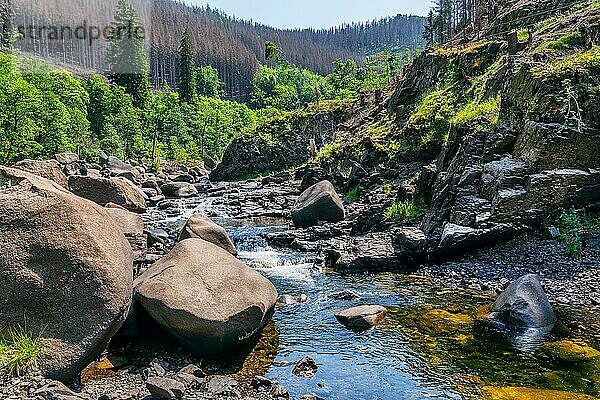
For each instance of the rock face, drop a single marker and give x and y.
(46, 169)
(524, 304)
(205, 297)
(119, 191)
(361, 317)
(201, 227)
(179, 189)
(132, 226)
(318, 203)
(65, 270)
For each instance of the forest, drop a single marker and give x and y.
(45, 110)
(232, 46)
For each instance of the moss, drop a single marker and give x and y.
(565, 41)
(329, 152)
(576, 64)
(454, 51)
(568, 351)
(521, 393)
(479, 116)
(442, 321)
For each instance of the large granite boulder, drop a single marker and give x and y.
(201, 227)
(119, 191)
(318, 203)
(46, 169)
(179, 189)
(132, 226)
(524, 304)
(67, 158)
(65, 270)
(206, 298)
(120, 168)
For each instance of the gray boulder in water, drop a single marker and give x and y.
(319, 202)
(524, 304)
(206, 298)
(65, 271)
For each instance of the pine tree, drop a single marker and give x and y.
(185, 67)
(127, 58)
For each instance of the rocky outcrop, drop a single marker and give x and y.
(65, 270)
(119, 191)
(285, 143)
(319, 203)
(361, 317)
(206, 298)
(200, 226)
(46, 169)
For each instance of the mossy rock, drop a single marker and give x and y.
(442, 321)
(521, 393)
(568, 351)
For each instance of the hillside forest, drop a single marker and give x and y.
(124, 111)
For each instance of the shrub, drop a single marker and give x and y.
(353, 194)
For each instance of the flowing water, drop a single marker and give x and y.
(425, 348)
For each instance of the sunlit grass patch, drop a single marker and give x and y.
(20, 350)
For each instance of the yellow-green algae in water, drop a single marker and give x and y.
(443, 330)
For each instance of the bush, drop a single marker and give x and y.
(353, 194)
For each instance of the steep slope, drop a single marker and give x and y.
(488, 139)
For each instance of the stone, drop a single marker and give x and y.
(66, 158)
(306, 367)
(524, 304)
(165, 388)
(61, 254)
(183, 178)
(259, 382)
(222, 386)
(361, 317)
(46, 169)
(287, 299)
(58, 391)
(118, 167)
(200, 226)
(179, 189)
(457, 238)
(206, 298)
(114, 190)
(345, 295)
(410, 243)
(192, 370)
(279, 392)
(132, 226)
(318, 203)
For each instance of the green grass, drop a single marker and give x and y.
(479, 115)
(566, 41)
(403, 211)
(20, 350)
(575, 64)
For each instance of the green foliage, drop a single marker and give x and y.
(576, 64)
(433, 115)
(272, 52)
(208, 83)
(186, 69)
(479, 116)
(329, 152)
(127, 58)
(572, 223)
(20, 350)
(353, 194)
(403, 211)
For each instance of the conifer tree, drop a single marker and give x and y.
(186, 70)
(127, 58)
